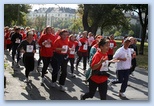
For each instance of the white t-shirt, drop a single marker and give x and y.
(90, 40)
(123, 53)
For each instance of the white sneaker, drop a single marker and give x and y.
(53, 84)
(72, 75)
(43, 79)
(62, 88)
(121, 94)
(26, 80)
(132, 73)
(110, 84)
(84, 72)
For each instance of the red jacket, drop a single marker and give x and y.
(72, 45)
(60, 43)
(46, 50)
(84, 47)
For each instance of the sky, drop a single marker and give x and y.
(37, 6)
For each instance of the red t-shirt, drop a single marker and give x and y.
(35, 37)
(60, 43)
(8, 38)
(83, 48)
(57, 35)
(93, 43)
(72, 45)
(46, 50)
(23, 35)
(96, 58)
(112, 44)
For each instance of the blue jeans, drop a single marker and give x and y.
(123, 76)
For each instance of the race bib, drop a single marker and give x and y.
(111, 45)
(104, 66)
(72, 51)
(48, 45)
(17, 40)
(85, 47)
(64, 47)
(127, 56)
(29, 48)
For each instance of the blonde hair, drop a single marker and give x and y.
(71, 36)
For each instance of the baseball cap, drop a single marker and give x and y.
(127, 39)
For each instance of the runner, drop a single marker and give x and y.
(16, 39)
(60, 59)
(99, 76)
(46, 49)
(28, 48)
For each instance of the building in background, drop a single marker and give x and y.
(52, 15)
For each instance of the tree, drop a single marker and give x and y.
(76, 25)
(15, 14)
(101, 15)
(142, 11)
(117, 33)
(131, 33)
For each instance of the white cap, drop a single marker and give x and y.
(127, 39)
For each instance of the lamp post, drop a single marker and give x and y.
(58, 11)
(18, 14)
(74, 21)
(45, 18)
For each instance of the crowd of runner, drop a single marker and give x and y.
(57, 48)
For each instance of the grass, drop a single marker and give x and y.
(5, 65)
(142, 60)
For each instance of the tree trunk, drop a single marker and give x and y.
(144, 23)
(85, 18)
(141, 50)
(94, 28)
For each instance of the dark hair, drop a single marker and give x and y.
(108, 38)
(17, 28)
(47, 28)
(28, 33)
(102, 42)
(62, 31)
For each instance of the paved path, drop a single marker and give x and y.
(16, 89)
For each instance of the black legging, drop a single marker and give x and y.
(59, 63)
(102, 87)
(9, 46)
(133, 62)
(72, 64)
(84, 55)
(40, 58)
(14, 50)
(46, 62)
(28, 63)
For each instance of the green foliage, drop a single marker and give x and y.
(117, 33)
(5, 65)
(102, 15)
(15, 14)
(131, 33)
(76, 25)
